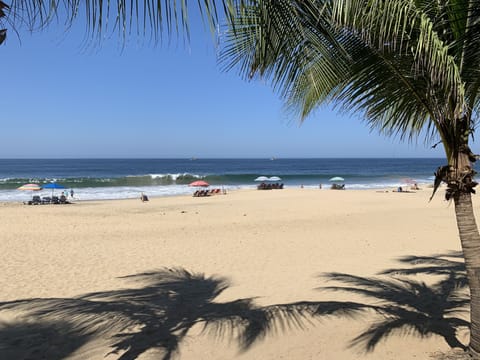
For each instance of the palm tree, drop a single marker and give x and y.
(411, 67)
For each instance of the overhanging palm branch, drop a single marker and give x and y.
(3, 32)
(147, 18)
(387, 59)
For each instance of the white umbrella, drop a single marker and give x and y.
(261, 178)
(337, 178)
(274, 178)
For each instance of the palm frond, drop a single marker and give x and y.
(397, 62)
(147, 18)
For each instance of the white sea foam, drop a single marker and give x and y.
(128, 192)
(174, 177)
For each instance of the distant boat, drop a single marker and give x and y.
(272, 158)
(193, 158)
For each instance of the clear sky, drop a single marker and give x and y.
(62, 100)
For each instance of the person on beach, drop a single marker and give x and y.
(71, 193)
(143, 197)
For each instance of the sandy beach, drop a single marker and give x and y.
(248, 265)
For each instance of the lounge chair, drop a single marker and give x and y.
(36, 200)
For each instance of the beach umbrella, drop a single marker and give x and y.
(53, 186)
(274, 178)
(199, 183)
(337, 179)
(261, 178)
(30, 187)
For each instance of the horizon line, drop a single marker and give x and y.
(214, 158)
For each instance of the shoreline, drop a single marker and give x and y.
(422, 187)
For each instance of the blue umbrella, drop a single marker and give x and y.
(53, 186)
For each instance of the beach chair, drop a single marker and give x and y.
(36, 200)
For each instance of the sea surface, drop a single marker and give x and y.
(94, 179)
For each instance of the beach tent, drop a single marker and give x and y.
(53, 186)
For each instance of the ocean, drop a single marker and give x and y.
(95, 179)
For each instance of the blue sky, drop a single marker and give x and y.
(63, 100)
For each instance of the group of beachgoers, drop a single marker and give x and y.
(268, 186)
(413, 187)
(43, 200)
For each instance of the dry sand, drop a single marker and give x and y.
(267, 246)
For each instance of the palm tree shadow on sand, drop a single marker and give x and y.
(160, 314)
(410, 307)
(170, 302)
(27, 340)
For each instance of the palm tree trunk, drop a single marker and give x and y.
(470, 240)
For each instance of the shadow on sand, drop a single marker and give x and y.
(53, 340)
(170, 302)
(410, 307)
(159, 314)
